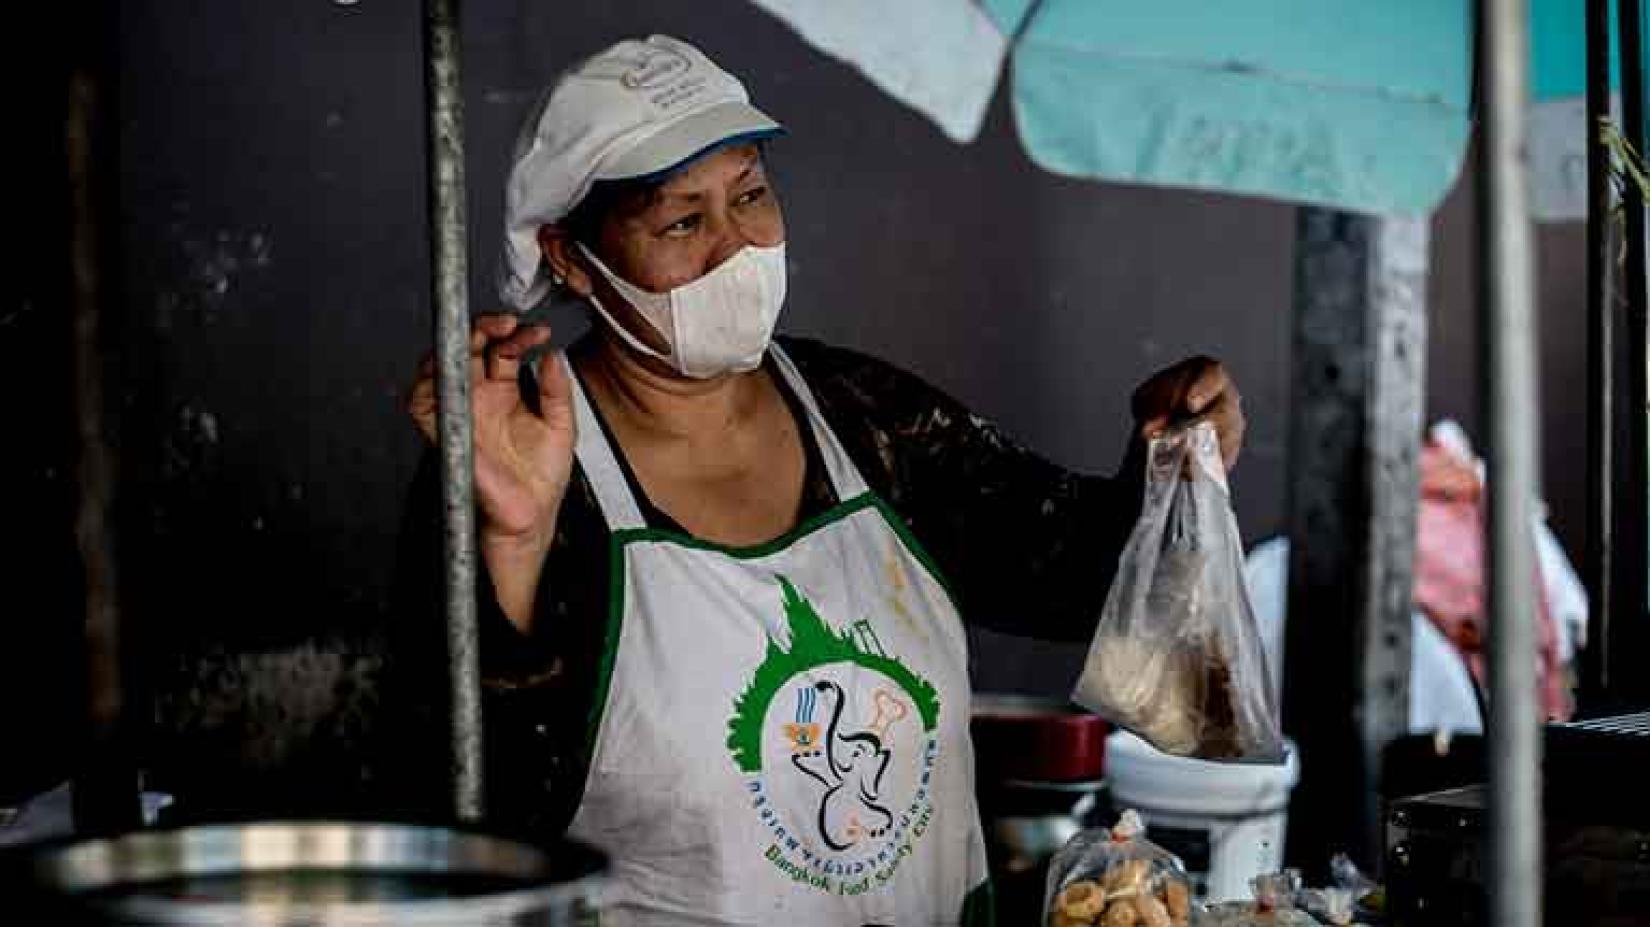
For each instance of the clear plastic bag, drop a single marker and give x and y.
(1116, 878)
(1329, 905)
(1177, 657)
(1273, 905)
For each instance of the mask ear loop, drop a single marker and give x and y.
(620, 285)
(624, 333)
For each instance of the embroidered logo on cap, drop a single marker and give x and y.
(657, 68)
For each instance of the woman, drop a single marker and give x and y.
(725, 579)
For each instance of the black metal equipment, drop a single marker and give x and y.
(1596, 836)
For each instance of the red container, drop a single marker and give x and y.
(1031, 739)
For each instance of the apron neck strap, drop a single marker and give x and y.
(612, 490)
(845, 477)
(601, 468)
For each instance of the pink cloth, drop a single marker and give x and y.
(1449, 575)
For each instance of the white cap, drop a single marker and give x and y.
(642, 107)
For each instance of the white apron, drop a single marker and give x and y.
(781, 731)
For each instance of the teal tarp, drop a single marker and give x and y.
(1356, 104)
(1558, 49)
(1351, 104)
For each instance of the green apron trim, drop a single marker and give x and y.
(835, 514)
(754, 551)
(618, 540)
(980, 907)
(917, 550)
(616, 587)
(610, 652)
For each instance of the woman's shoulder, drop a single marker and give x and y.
(813, 356)
(845, 378)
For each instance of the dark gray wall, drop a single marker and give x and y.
(274, 218)
(274, 300)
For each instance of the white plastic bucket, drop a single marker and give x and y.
(1224, 820)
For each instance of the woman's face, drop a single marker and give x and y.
(675, 234)
(699, 218)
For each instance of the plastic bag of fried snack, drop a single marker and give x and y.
(1116, 878)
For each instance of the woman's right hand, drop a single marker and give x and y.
(523, 459)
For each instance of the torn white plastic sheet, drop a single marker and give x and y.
(1343, 103)
(1558, 159)
(940, 57)
(1338, 102)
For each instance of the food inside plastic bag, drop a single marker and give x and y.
(1273, 905)
(1329, 905)
(1177, 657)
(1244, 914)
(1116, 878)
(1366, 893)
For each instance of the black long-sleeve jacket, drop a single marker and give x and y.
(1026, 546)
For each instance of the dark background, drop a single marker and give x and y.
(271, 300)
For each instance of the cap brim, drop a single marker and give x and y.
(690, 138)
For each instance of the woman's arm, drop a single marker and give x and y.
(535, 686)
(1029, 547)
(523, 451)
(412, 757)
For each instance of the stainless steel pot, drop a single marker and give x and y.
(313, 873)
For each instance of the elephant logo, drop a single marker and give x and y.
(848, 766)
(837, 740)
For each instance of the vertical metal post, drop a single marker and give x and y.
(1630, 553)
(1358, 397)
(1507, 291)
(452, 332)
(1601, 347)
(106, 789)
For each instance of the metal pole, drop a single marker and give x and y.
(106, 789)
(1601, 347)
(1507, 291)
(1630, 552)
(452, 332)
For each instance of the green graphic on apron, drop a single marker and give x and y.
(837, 740)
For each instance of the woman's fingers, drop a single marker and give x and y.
(502, 363)
(492, 327)
(1215, 398)
(1198, 387)
(555, 392)
(1226, 413)
(1209, 383)
(1180, 392)
(484, 331)
(504, 356)
(498, 343)
(420, 406)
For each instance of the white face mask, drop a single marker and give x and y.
(720, 323)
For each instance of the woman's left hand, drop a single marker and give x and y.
(1198, 387)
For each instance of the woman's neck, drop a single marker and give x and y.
(659, 403)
